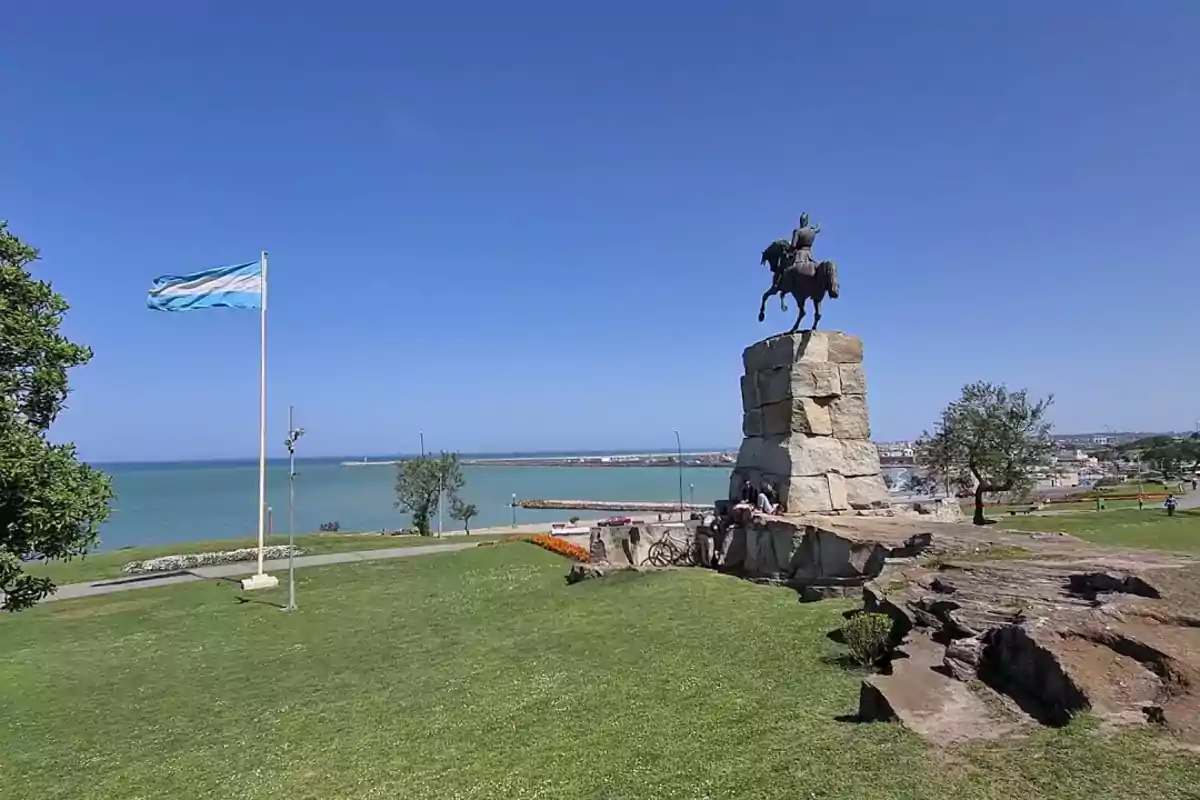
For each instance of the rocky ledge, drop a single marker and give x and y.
(1044, 627)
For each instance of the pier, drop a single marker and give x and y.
(697, 459)
(612, 505)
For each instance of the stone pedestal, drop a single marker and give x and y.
(804, 403)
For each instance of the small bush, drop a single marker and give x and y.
(869, 637)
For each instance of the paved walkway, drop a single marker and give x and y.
(277, 567)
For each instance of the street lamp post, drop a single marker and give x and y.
(692, 493)
(514, 509)
(422, 444)
(679, 455)
(293, 436)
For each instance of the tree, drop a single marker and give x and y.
(51, 505)
(464, 511)
(1169, 455)
(423, 482)
(990, 439)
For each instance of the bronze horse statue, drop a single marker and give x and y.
(803, 281)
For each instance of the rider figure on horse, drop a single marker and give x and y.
(797, 253)
(802, 242)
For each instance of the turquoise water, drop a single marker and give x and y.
(180, 502)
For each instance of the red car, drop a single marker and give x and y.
(614, 521)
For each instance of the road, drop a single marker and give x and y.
(71, 591)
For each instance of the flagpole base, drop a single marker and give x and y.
(260, 581)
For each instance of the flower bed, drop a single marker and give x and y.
(560, 546)
(547, 542)
(193, 560)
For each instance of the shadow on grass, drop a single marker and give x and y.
(150, 576)
(242, 600)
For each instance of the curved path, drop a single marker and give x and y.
(70, 591)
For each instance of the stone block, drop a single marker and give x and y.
(799, 380)
(801, 455)
(843, 348)
(752, 423)
(807, 494)
(866, 491)
(854, 380)
(799, 415)
(861, 457)
(838, 494)
(749, 454)
(782, 351)
(848, 414)
(749, 393)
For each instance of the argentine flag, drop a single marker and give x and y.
(237, 286)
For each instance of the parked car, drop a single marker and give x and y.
(614, 521)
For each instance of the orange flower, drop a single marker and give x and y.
(560, 546)
(546, 542)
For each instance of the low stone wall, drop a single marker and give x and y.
(942, 509)
(175, 563)
(644, 544)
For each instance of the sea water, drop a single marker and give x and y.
(162, 503)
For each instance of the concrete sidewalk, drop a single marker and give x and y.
(128, 583)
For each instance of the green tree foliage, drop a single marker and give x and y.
(51, 505)
(422, 483)
(990, 439)
(1166, 454)
(464, 512)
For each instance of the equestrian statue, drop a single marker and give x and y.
(794, 271)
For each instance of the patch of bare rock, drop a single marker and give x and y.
(996, 633)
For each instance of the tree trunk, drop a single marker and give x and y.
(979, 518)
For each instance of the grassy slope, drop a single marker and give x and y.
(481, 675)
(108, 564)
(1124, 527)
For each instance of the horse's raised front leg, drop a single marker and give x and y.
(762, 307)
(799, 316)
(816, 312)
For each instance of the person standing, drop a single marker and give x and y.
(1170, 505)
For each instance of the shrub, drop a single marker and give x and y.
(869, 637)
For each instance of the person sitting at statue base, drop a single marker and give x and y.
(764, 503)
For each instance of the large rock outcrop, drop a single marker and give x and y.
(804, 404)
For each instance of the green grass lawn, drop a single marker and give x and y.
(1126, 527)
(482, 675)
(108, 564)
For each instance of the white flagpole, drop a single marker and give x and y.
(261, 580)
(262, 418)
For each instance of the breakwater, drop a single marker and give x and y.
(611, 505)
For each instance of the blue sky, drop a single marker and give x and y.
(536, 225)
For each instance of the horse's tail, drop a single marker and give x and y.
(831, 279)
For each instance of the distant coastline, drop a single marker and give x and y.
(385, 458)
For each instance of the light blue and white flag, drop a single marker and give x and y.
(237, 286)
